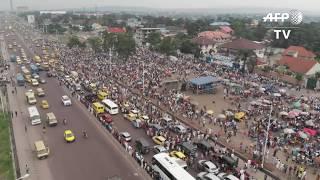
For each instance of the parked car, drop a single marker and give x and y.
(159, 149)
(125, 136)
(105, 118)
(207, 176)
(208, 166)
(179, 129)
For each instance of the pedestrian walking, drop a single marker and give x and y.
(16, 113)
(44, 129)
(27, 169)
(25, 128)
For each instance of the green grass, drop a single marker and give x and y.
(6, 168)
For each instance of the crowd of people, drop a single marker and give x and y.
(294, 120)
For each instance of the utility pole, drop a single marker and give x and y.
(267, 136)
(142, 78)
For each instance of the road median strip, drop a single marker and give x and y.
(6, 166)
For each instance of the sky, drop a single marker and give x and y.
(308, 5)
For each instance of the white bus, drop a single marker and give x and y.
(168, 168)
(34, 115)
(110, 106)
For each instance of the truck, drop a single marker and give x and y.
(20, 79)
(31, 99)
(13, 58)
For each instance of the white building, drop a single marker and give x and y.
(53, 12)
(133, 22)
(142, 34)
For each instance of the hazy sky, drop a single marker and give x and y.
(309, 5)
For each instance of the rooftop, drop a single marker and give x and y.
(242, 44)
(302, 52)
(116, 30)
(214, 35)
(297, 65)
(220, 24)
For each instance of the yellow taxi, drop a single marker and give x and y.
(178, 154)
(130, 116)
(28, 78)
(159, 140)
(44, 104)
(102, 95)
(69, 136)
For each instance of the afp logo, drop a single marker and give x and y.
(295, 17)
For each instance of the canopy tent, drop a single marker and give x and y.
(283, 113)
(310, 123)
(302, 135)
(311, 132)
(204, 84)
(288, 131)
(210, 112)
(296, 104)
(199, 81)
(222, 116)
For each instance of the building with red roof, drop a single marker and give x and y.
(296, 65)
(226, 29)
(208, 40)
(299, 52)
(116, 30)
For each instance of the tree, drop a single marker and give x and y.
(108, 41)
(95, 43)
(154, 39)
(74, 42)
(55, 28)
(243, 55)
(251, 63)
(125, 45)
(87, 27)
(168, 46)
(188, 47)
(299, 77)
(317, 75)
(75, 28)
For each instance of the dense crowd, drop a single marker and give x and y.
(294, 122)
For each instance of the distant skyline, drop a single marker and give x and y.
(303, 5)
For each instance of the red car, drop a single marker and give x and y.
(105, 118)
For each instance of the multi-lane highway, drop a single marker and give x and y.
(96, 157)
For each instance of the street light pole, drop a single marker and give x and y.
(142, 78)
(23, 177)
(267, 135)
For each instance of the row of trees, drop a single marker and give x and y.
(170, 45)
(122, 44)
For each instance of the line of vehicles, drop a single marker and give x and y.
(29, 73)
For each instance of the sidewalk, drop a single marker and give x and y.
(19, 120)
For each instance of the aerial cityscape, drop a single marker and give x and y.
(163, 90)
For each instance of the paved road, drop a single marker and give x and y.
(97, 157)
